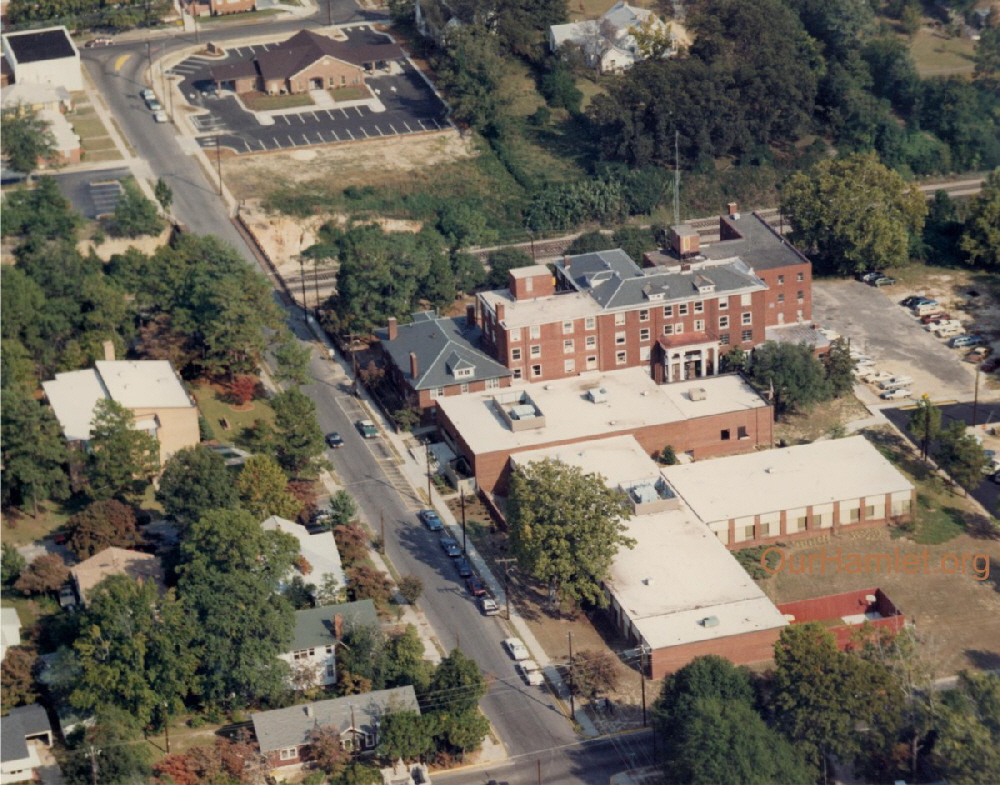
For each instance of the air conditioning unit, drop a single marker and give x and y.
(597, 394)
(698, 394)
(710, 621)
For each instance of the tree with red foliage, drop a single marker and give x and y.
(352, 542)
(243, 389)
(100, 525)
(179, 768)
(366, 583)
(17, 672)
(325, 750)
(305, 492)
(46, 573)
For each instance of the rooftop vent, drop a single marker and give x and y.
(710, 621)
(597, 394)
(647, 581)
(789, 617)
(869, 598)
(698, 394)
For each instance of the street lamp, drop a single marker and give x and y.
(461, 496)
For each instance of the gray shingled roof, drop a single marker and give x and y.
(314, 626)
(759, 245)
(615, 281)
(283, 728)
(442, 346)
(21, 722)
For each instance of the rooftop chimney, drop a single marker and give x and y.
(566, 260)
(500, 312)
(338, 626)
(470, 315)
(109, 350)
(393, 328)
(414, 368)
(733, 208)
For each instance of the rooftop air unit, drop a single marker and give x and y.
(597, 394)
(710, 621)
(698, 394)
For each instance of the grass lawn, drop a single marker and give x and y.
(24, 530)
(87, 125)
(589, 88)
(29, 609)
(349, 93)
(259, 102)
(215, 410)
(819, 421)
(97, 144)
(102, 155)
(240, 17)
(937, 55)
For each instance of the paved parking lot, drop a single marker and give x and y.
(93, 194)
(410, 107)
(887, 333)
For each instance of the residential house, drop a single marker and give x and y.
(437, 356)
(150, 389)
(141, 567)
(25, 735)
(608, 43)
(319, 558)
(43, 57)
(283, 734)
(10, 630)
(318, 632)
(309, 61)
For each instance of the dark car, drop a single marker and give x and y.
(450, 546)
(334, 440)
(913, 301)
(431, 520)
(475, 586)
(463, 566)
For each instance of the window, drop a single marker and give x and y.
(329, 649)
(621, 358)
(678, 329)
(644, 353)
(724, 435)
(464, 373)
(699, 325)
(741, 432)
(748, 532)
(800, 277)
(567, 328)
(536, 350)
(289, 753)
(724, 304)
(331, 671)
(620, 339)
(589, 323)
(800, 523)
(724, 339)
(369, 740)
(855, 515)
(569, 366)
(765, 530)
(781, 280)
(781, 299)
(744, 299)
(347, 744)
(723, 322)
(591, 341)
(747, 336)
(644, 334)
(668, 329)
(536, 370)
(747, 318)
(465, 387)
(300, 655)
(798, 315)
(699, 307)
(591, 363)
(515, 354)
(644, 315)
(869, 511)
(682, 309)
(800, 296)
(619, 319)
(515, 335)
(668, 311)
(518, 374)
(901, 507)
(817, 520)
(438, 393)
(568, 346)
(535, 331)
(343, 80)
(492, 384)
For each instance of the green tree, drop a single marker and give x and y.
(410, 588)
(263, 489)
(852, 214)
(501, 262)
(13, 563)
(565, 528)
(474, 74)
(925, 424)
(558, 86)
(326, 751)
(233, 316)
(839, 367)
(135, 651)
(735, 359)
(462, 224)
(163, 193)
(18, 673)
(456, 686)
(967, 748)
(233, 540)
(405, 734)
(988, 57)
(980, 241)
(41, 211)
(343, 510)
(34, 452)
(27, 139)
(404, 660)
(464, 731)
(292, 358)
(594, 672)
(124, 754)
(102, 524)
(194, 481)
(299, 445)
(134, 215)
(123, 459)
(653, 38)
(959, 454)
(792, 372)
(668, 457)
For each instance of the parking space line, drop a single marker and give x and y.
(276, 142)
(247, 145)
(262, 145)
(422, 124)
(306, 139)
(284, 119)
(343, 112)
(335, 137)
(407, 126)
(360, 113)
(291, 141)
(329, 114)
(365, 133)
(393, 129)
(349, 133)
(315, 118)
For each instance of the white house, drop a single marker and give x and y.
(609, 40)
(318, 550)
(44, 57)
(10, 630)
(318, 632)
(21, 731)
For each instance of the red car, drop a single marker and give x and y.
(934, 318)
(475, 586)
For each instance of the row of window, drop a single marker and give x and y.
(821, 520)
(799, 277)
(367, 742)
(569, 366)
(303, 654)
(491, 384)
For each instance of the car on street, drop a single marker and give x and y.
(366, 428)
(516, 648)
(95, 42)
(334, 440)
(463, 566)
(883, 280)
(488, 606)
(531, 673)
(431, 520)
(450, 546)
(160, 116)
(933, 318)
(965, 340)
(899, 392)
(147, 95)
(475, 586)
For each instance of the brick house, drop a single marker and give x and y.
(308, 61)
(433, 357)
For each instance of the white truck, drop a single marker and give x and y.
(894, 382)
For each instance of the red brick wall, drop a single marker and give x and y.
(740, 649)
(783, 284)
(333, 69)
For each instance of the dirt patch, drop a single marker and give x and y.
(819, 421)
(340, 165)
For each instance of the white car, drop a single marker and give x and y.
(895, 381)
(516, 648)
(874, 377)
(531, 673)
(160, 116)
(864, 362)
(891, 395)
(147, 95)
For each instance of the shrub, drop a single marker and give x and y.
(367, 583)
(243, 389)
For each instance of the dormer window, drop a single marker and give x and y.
(464, 373)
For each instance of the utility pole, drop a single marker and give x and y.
(462, 497)
(381, 526)
(93, 763)
(329, 13)
(642, 672)
(316, 284)
(166, 726)
(539, 761)
(218, 162)
(677, 179)
(975, 399)
(302, 281)
(572, 700)
(427, 458)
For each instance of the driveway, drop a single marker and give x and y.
(887, 333)
(410, 107)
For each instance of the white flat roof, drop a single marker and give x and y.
(530, 271)
(782, 479)
(541, 310)
(618, 459)
(633, 401)
(73, 396)
(143, 384)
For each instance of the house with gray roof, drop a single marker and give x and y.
(283, 734)
(21, 731)
(318, 632)
(435, 356)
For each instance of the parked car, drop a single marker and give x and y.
(899, 392)
(874, 377)
(996, 478)
(935, 317)
(942, 324)
(463, 567)
(870, 275)
(160, 116)
(366, 428)
(450, 546)
(516, 648)
(926, 309)
(948, 330)
(978, 354)
(334, 440)
(895, 381)
(531, 673)
(475, 586)
(488, 606)
(965, 340)
(431, 520)
(94, 42)
(914, 300)
(883, 280)
(147, 95)
(864, 362)
(990, 365)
